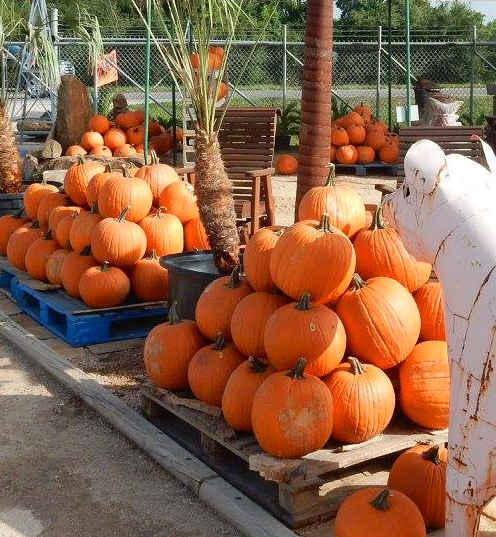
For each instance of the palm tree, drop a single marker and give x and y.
(315, 128)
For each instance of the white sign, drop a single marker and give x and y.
(401, 113)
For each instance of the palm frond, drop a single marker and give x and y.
(43, 57)
(88, 30)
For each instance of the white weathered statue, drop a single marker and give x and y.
(445, 213)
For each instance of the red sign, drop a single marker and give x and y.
(107, 69)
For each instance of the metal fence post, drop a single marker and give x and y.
(472, 74)
(54, 23)
(3, 62)
(95, 85)
(147, 75)
(284, 66)
(390, 74)
(407, 39)
(378, 88)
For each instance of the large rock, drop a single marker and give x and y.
(73, 111)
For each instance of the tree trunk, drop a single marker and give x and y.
(315, 129)
(215, 200)
(10, 166)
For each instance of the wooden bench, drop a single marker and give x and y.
(247, 139)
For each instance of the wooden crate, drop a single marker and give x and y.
(297, 491)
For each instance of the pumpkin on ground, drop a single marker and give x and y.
(58, 214)
(363, 399)
(104, 286)
(47, 204)
(8, 224)
(97, 181)
(317, 249)
(37, 256)
(75, 151)
(240, 390)
(380, 252)
(149, 280)
(195, 236)
(430, 304)
(179, 199)
(249, 318)
(19, 242)
(91, 139)
(118, 241)
(420, 473)
(366, 154)
(425, 385)
(217, 303)
(130, 119)
(158, 176)
(287, 165)
(63, 230)
(82, 228)
(339, 137)
(210, 369)
(114, 138)
(101, 151)
(169, 348)
(99, 124)
(379, 512)
(381, 319)
(54, 265)
(342, 203)
(164, 233)
(33, 195)
(346, 154)
(305, 329)
(74, 266)
(292, 413)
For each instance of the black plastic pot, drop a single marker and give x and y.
(11, 203)
(282, 142)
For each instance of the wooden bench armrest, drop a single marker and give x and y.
(261, 173)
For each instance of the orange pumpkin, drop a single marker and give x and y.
(63, 230)
(125, 150)
(364, 111)
(380, 252)
(82, 229)
(210, 369)
(237, 400)
(195, 236)
(222, 91)
(287, 165)
(75, 151)
(420, 473)
(339, 136)
(363, 399)
(8, 224)
(154, 128)
(77, 178)
(214, 61)
(129, 119)
(114, 138)
(162, 143)
(381, 319)
(342, 203)
(102, 151)
(37, 256)
(96, 183)
(292, 413)
(58, 213)
(158, 176)
(217, 303)
(99, 124)
(104, 286)
(179, 199)
(74, 266)
(356, 133)
(149, 280)
(47, 204)
(91, 139)
(375, 136)
(346, 154)
(136, 135)
(33, 195)
(352, 118)
(169, 348)
(430, 304)
(19, 242)
(54, 264)
(332, 156)
(389, 153)
(164, 233)
(425, 385)
(366, 154)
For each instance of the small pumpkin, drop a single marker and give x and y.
(256, 257)
(136, 135)
(430, 304)
(366, 154)
(346, 154)
(162, 143)
(425, 385)
(195, 236)
(77, 178)
(420, 474)
(217, 303)
(356, 133)
(389, 153)
(158, 176)
(287, 165)
(33, 195)
(149, 280)
(319, 249)
(210, 369)
(179, 199)
(47, 204)
(82, 228)
(75, 151)
(74, 266)
(292, 413)
(91, 139)
(102, 151)
(129, 119)
(164, 233)
(124, 151)
(363, 399)
(222, 91)
(97, 181)
(380, 512)
(214, 61)
(37, 256)
(169, 348)
(339, 137)
(114, 138)
(57, 214)
(104, 286)
(19, 242)
(63, 230)
(99, 124)
(249, 318)
(305, 329)
(54, 264)
(237, 399)
(375, 137)
(352, 118)
(364, 111)
(381, 319)
(8, 224)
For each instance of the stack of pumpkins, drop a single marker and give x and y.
(332, 323)
(358, 137)
(101, 238)
(125, 137)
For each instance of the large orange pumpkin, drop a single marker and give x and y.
(366, 154)
(125, 150)
(114, 138)
(19, 242)
(356, 133)
(379, 512)
(91, 139)
(77, 178)
(118, 241)
(420, 473)
(292, 413)
(37, 256)
(60, 212)
(375, 137)
(102, 151)
(256, 257)
(214, 61)
(380, 252)
(54, 264)
(169, 348)
(8, 224)
(389, 152)
(47, 204)
(82, 228)
(158, 176)
(99, 124)
(164, 233)
(217, 303)
(195, 236)
(430, 304)
(425, 385)
(33, 195)
(129, 119)
(136, 135)
(352, 118)
(302, 329)
(97, 181)
(346, 154)
(249, 318)
(75, 151)
(179, 199)
(73, 267)
(364, 111)
(287, 165)
(316, 249)
(237, 400)
(63, 230)
(342, 203)
(149, 280)
(381, 319)
(104, 286)
(210, 369)
(363, 399)
(339, 136)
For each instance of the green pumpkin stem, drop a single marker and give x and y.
(325, 224)
(256, 365)
(122, 216)
(380, 501)
(235, 279)
(357, 366)
(304, 303)
(331, 178)
(86, 250)
(173, 315)
(357, 282)
(105, 266)
(220, 343)
(378, 220)
(154, 159)
(297, 372)
(432, 454)
(153, 256)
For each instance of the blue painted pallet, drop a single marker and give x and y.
(363, 170)
(7, 274)
(78, 325)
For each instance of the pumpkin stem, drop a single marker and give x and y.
(18, 214)
(235, 279)
(105, 266)
(122, 216)
(67, 245)
(378, 220)
(304, 303)
(297, 372)
(48, 235)
(154, 159)
(160, 212)
(125, 172)
(325, 224)
(108, 168)
(357, 366)
(173, 315)
(154, 256)
(94, 208)
(357, 282)
(256, 365)
(35, 225)
(220, 343)
(86, 250)
(432, 455)
(380, 501)
(331, 178)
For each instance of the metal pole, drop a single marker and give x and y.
(284, 66)
(390, 54)
(472, 74)
(54, 27)
(95, 84)
(407, 42)
(147, 74)
(3, 61)
(174, 123)
(378, 88)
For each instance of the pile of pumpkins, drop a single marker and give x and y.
(101, 237)
(125, 137)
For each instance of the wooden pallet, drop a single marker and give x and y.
(297, 491)
(363, 170)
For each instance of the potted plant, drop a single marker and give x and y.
(288, 124)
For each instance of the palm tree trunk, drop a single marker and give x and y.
(315, 129)
(215, 200)
(10, 169)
